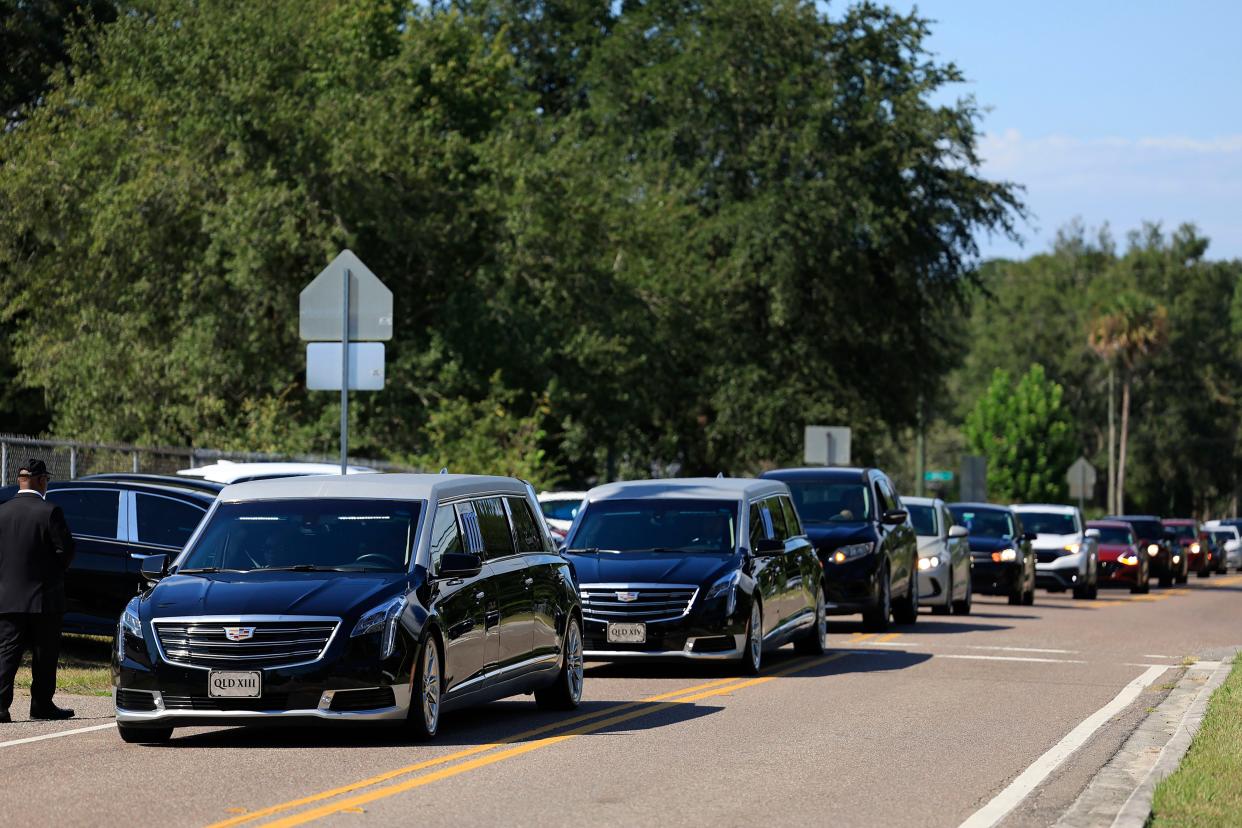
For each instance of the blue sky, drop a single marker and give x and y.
(1118, 112)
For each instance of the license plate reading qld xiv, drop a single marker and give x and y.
(630, 632)
(234, 685)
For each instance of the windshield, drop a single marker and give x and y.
(1115, 536)
(660, 525)
(821, 501)
(560, 509)
(1044, 523)
(1221, 538)
(1148, 529)
(1182, 531)
(923, 518)
(346, 535)
(990, 523)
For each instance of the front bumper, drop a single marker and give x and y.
(988, 577)
(1112, 572)
(706, 633)
(851, 586)
(1061, 573)
(934, 586)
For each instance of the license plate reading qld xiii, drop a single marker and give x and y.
(229, 685)
(631, 632)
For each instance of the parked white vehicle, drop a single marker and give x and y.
(1066, 556)
(559, 510)
(226, 471)
(944, 556)
(1231, 537)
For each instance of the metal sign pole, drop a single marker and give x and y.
(1082, 486)
(345, 375)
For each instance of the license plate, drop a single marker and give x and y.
(234, 685)
(627, 633)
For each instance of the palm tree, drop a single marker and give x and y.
(1130, 332)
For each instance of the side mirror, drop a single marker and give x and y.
(460, 565)
(153, 568)
(956, 531)
(767, 547)
(1092, 533)
(1029, 536)
(894, 517)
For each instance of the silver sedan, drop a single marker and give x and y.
(944, 556)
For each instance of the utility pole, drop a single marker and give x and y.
(1112, 474)
(920, 460)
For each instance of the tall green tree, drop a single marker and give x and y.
(1027, 436)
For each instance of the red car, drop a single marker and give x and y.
(1121, 561)
(1194, 545)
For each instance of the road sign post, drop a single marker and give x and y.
(345, 303)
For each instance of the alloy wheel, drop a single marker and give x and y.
(756, 635)
(431, 685)
(574, 662)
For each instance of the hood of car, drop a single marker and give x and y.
(830, 536)
(1058, 542)
(273, 593)
(652, 567)
(983, 543)
(1110, 551)
(930, 545)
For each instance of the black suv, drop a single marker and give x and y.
(863, 537)
(116, 524)
(1000, 549)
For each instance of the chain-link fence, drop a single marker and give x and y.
(67, 459)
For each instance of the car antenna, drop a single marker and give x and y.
(719, 475)
(444, 470)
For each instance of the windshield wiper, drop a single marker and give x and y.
(299, 568)
(590, 550)
(205, 569)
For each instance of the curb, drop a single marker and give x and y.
(1120, 794)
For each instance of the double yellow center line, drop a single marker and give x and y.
(454, 764)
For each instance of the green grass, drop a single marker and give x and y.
(84, 666)
(1207, 789)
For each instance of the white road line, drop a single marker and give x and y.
(1018, 649)
(1153, 655)
(1029, 779)
(57, 735)
(1010, 658)
(1136, 664)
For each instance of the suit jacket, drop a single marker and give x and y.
(35, 550)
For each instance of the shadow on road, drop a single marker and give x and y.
(924, 625)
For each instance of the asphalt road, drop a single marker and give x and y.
(925, 726)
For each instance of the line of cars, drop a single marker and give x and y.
(392, 598)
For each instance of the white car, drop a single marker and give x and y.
(944, 556)
(226, 471)
(1230, 536)
(559, 510)
(1066, 555)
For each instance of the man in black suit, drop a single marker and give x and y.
(35, 551)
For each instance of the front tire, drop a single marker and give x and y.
(963, 606)
(876, 618)
(812, 643)
(906, 611)
(752, 652)
(144, 735)
(566, 692)
(948, 598)
(425, 688)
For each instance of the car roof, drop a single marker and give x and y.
(997, 507)
(374, 486)
(817, 473)
(225, 471)
(1132, 517)
(915, 500)
(561, 496)
(1179, 521)
(1108, 524)
(1219, 523)
(1055, 508)
(169, 480)
(697, 488)
(204, 498)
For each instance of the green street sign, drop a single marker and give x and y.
(938, 476)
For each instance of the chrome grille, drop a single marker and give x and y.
(203, 643)
(651, 602)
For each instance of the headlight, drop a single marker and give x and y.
(849, 553)
(1128, 559)
(1194, 549)
(382, 619)
(131, 624)
(1153, 549)
(1005, 555)
(929, 563)
(725, 586)
(1072, 548)
(1177, 559)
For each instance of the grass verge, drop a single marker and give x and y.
(83, 668)
(1206, 790)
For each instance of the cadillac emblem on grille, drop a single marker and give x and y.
(238, 633)
(627, 596)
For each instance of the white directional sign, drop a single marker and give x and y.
(827, 445)
(1081, 479)
(366, 366)
(322, 303)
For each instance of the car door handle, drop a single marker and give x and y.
(480, 595)
(529, 581)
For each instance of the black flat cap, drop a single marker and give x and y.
(32, 468)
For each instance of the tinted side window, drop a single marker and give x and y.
(884, 496)
(445, 536)
(773, 506)
(791, 517)
(494, 525)
(529, 538)
(89, 512)
(471, 534)
(757, 530)
(166, 522)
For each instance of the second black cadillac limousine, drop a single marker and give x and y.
(384, 598)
